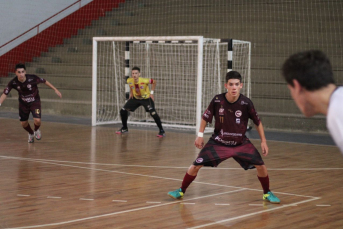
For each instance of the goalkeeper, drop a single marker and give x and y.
(140, 95)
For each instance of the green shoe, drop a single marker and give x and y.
(271, 198)
(177, 194)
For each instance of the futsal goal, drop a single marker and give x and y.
(189, 71)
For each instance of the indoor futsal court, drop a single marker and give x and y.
(167, 64)
(78, 176)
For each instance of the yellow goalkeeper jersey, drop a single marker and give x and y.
(141, 89)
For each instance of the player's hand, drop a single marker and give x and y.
(58, 93)
(152, 97)
(199, 142)
(264, 148)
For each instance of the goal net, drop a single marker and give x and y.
(189, 72)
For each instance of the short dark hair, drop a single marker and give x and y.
(136, 68)
(20, 65)
(312, 69)
(233, 75)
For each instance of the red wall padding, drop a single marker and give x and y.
(55, 34)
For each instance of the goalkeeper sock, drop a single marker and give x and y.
(157, 119)
(124, 114)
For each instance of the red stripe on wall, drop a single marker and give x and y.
(55, 34)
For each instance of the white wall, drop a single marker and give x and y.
(18, 16)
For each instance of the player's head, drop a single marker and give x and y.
(135, 72)
(233, 83)
(233, 75)
(136, 68)
(312, 69)
(306, 73)
(20, 65)
(20, 71)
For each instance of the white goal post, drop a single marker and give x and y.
(189, 70)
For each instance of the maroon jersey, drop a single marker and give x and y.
(28, 90)
(231, 119)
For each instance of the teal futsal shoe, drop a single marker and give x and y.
(177, 194)
(271, 198)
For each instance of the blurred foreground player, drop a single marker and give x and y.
(29, 99)
(140, 95)
(231, 111)
(310, 80)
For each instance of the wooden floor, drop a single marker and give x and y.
(83, 177)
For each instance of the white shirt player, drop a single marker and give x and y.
(334, 121)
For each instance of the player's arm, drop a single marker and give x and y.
(131, 94)
(153, 85)
(264, 145)
(53, 88)
(199, 141)
(2, 98)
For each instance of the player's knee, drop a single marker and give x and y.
(123, 112)
(37, 122)
(153, 113)
(194, 169)
(24, 123)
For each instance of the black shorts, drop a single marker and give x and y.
(214, 153)
(133, 104)
(26, 108)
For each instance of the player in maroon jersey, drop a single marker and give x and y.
(231, 111)
(29, 100)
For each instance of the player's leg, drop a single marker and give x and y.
(130, 105)
(263, 177)
(211, 155)
(24, 113)
(187, 180)
(36, 111)
(248, 157)
(149, 106)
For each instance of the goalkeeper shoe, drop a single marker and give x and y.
(161, 134)
(122, 130)
(38, 134)
(31, 138)
(177, 194)
(271, 198)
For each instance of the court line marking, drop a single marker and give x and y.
(115, 213)
(22, 195)
(250, 214)
(121, 201)
(122, 212)
(165, 178)
(54, 197)
(222, 204)
(323, 205)
(162, 167)
(85, 199)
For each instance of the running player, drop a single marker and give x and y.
(140, 95)
(310, 80)
(29, 99)
(231, 112)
